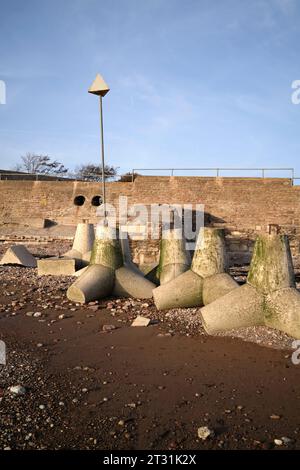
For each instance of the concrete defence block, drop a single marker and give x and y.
(239, 308)
(18, 254)
(106, 249)
(128, 283)
(150, 272)
(174, 259)
(84, 237)
(216, 286)
(56, 267)
(183, 291)
(210, 255)
(80, 272)
(282, 311)
(73, 254)
(170, 272)
(86, 257)
(271, 267)
(94, 284)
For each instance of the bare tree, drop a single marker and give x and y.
(92, 172)
(40, 164)
(126, 177)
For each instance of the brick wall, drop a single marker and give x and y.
(243, 206)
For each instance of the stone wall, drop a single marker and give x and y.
(243, 206)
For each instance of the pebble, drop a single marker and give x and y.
(287, 440)
(108, 328)
(37, 314)
(204, 432)
(17, 390)
(275, 417)
(278, 442)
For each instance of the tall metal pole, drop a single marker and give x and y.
(102, 156)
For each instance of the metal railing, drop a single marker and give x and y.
(216, 170)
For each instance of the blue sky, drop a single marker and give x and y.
(194, 83)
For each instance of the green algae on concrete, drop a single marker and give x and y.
(271, 266)
(282, 311)
(174, 259)
(106, 249)
(210, 255)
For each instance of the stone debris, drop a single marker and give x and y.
(18, 254)
(204, 433)
(108, 328)
(17, 390)
(141, 321)
(278, 442)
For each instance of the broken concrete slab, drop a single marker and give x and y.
(282, 311)
(217, 286)
(129, 283)
(94, 284)
(56, 267)
(183, 291)
(271, 265)
(210, 254)
(239, 308)
(18, 254)
(141, 321)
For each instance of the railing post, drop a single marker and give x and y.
(263, 172)
(172, 171)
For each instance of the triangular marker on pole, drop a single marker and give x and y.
(99, 87)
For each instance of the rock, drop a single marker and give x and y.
(17, 390)
(141, 321)
(204, 432)
(278, 442)
(108, 328)
(286, 440)
(37, 314)
(275, 417)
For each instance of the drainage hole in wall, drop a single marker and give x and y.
(97, 201)
(79, 200)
